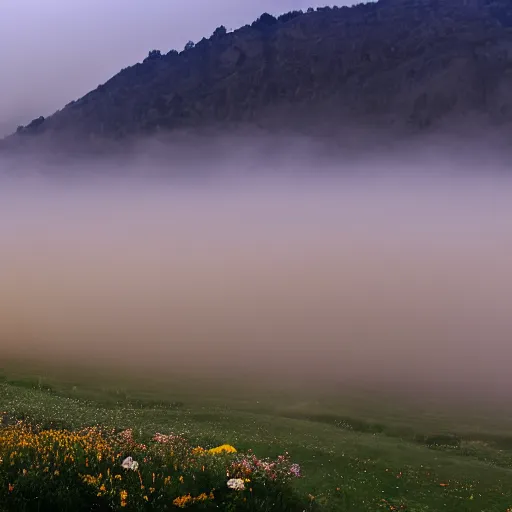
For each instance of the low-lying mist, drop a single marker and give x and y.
(391, 273)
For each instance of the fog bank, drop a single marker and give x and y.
(378, 274)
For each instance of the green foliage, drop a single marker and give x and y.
(366, 457)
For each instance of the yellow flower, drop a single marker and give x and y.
(123, 495)
(182, 501)
(225, 448)
(198, 451)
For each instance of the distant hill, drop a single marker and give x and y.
(407, 65)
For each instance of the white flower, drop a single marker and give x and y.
(127, 463)
(295, 470)
(237, 484)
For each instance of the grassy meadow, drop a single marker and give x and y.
(337, 451)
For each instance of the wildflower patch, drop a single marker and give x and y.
(95, 468)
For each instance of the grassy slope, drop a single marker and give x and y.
(355, 453)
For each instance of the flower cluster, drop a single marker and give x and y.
(236, 483)
(249, 465)
(126, 439)
(225, 448)
(168, 438)
(187, 500)
(129, 463)
(102, 466)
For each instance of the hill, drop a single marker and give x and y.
(403, 65)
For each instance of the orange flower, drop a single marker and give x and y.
(123, 495)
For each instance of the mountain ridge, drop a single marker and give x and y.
(393, 65)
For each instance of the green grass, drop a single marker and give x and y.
(359, 452)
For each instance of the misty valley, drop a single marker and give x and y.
(265, 269)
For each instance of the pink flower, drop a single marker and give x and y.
(295, 470)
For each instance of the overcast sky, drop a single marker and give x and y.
(55, 51)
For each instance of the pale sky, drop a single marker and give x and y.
(55, 51)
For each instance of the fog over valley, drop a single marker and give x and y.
(368, 276)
